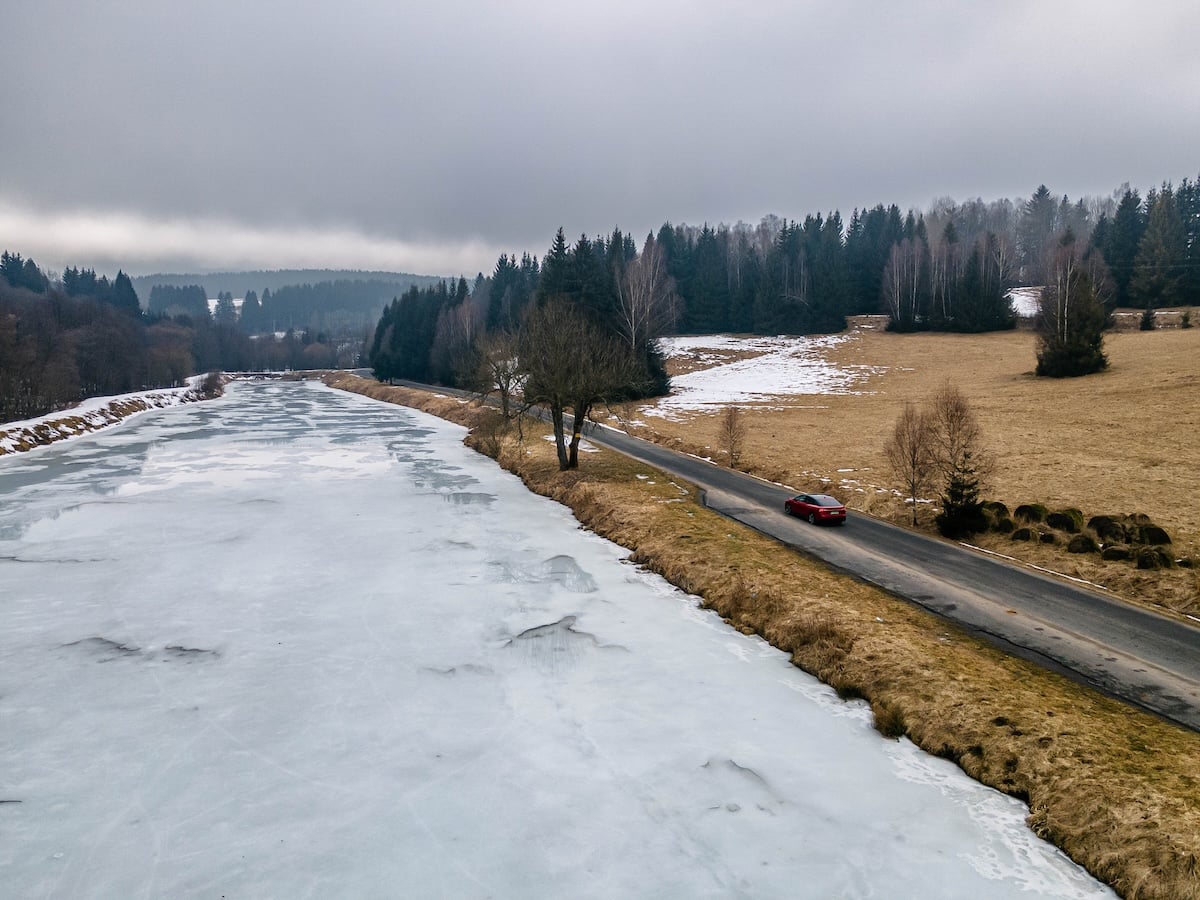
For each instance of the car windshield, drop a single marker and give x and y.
(824, 500)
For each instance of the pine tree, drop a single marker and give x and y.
(1161, 256)
(1119, 243)
(123, 296)
(1037, 225)
(225, 312)
(556, 274)
(962, 507)
(1187, 198)
(707, 310)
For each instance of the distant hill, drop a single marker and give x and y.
(238, 283)
(335, 302)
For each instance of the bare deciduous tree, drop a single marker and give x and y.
(903, 280)
(955, 430)
(570, 363)
(452, 351)
(910, 453)
(962, 461)
(942, 443)
(500, 368)
(647, 304)
(731, 432)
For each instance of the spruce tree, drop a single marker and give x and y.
(1117, 240)
(1161, 256)
(123, 296)
(1071, 316)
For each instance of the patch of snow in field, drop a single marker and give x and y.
(1025, 301)
(784, 366)
(585, 446)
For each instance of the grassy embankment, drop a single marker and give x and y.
(1117, 789)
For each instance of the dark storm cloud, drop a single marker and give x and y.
(446, 132)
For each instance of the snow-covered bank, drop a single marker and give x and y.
(92, 415)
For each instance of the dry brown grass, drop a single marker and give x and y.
(1117, 789)
(1122, 441)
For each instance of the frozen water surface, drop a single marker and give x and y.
(297, 643)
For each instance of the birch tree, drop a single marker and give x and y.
(1071, 315)
(647, 305)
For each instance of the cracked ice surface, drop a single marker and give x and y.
(298, 643)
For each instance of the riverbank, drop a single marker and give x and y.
(1113, 787)
(101, 412)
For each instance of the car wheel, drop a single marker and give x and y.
(787, 509)
(812, 518)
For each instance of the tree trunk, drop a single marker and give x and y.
(560, 444)
(579, 416)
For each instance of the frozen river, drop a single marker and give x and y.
(296, 643)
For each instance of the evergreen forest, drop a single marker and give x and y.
(948, 268)
(63, 340)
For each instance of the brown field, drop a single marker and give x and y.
(1115, 788)
(1126, 440)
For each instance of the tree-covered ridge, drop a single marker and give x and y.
(63, 340)
(240, 283)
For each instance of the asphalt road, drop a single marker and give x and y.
(1126, 651)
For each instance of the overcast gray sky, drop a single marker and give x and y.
(429, 137)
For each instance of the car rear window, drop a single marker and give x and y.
(825, 500)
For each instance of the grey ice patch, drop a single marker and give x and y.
(104, 650)
(558, 645)
(561, 570)
(565, 571)
(733, 788)
(553, 647)
(469, 498)
(451, 671)
(435, 474)
(188, 654)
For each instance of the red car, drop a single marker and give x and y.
(816, 508)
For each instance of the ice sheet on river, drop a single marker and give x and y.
(256, 647)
